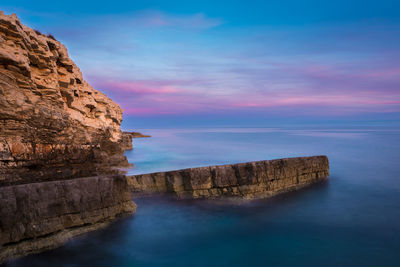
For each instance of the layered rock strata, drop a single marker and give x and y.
(40, 216)
(248, 180)
(54, 130)
(53, 124)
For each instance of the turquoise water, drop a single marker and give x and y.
(351, 220)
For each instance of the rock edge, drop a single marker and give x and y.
(247, 180)
(40, 216)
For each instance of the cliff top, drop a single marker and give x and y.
(39, 63)
(53, 124)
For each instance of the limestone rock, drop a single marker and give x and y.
(126, 140)
(38, 216)
(54, 128)
(247, 180)
(52, 122)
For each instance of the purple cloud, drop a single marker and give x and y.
(153, 62)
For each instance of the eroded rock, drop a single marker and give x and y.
(247, 180)
(54, 128)
(53, 124)
(40, 216)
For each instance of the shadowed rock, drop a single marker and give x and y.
(126, 141)
(40, 216)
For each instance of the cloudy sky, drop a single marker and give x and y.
(234, 61)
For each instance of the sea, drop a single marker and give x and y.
(352, 219)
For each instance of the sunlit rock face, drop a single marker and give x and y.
(54, 128)
(245, 180)
(52, 122)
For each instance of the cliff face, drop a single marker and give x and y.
(54, 128)
(52, 122)
(249, 180)
(40, 216)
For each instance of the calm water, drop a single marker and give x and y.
(353, 219)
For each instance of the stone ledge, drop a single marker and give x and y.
(38, 216)
(248, 180)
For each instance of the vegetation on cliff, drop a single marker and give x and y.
(52, 122)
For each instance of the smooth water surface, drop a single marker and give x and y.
(351, 220)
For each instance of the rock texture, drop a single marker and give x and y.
(54, 128)
(40, 216)
(248, 180)
(53, 124)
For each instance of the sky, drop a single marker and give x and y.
(232, 62)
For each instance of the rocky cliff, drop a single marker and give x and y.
(52, 122)
(54, 128)
(247, 180)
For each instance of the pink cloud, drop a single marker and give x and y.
(343, 100)
(160, 19)
(137, 87)
(144, 97)
(388, 73)
(301, 86)
(141, 111)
